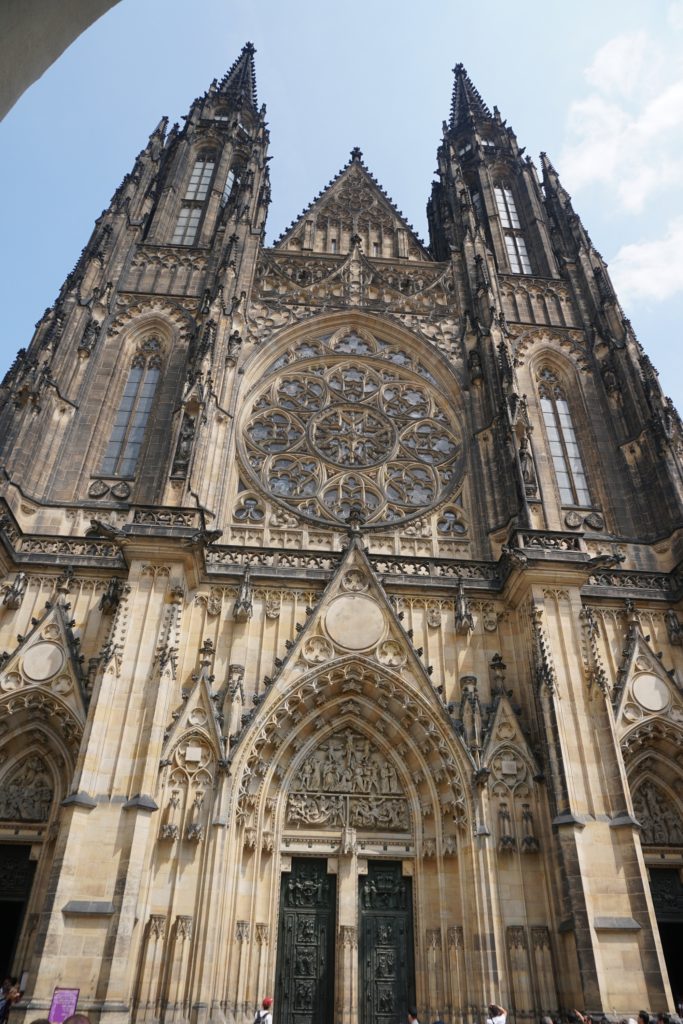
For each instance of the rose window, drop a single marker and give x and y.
(346, 422)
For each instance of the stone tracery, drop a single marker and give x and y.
(325, 432)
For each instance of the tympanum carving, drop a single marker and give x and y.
(347, 782)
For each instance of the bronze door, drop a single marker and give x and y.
(305, 955)
(387, 966)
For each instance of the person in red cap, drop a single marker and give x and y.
(264, 1016)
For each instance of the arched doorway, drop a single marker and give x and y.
(364, 809)
(657, 791)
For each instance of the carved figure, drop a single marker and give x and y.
(674, 628)
(14, 594)
(110, 599)
(243, 606)
(464, 620)
(660, 822)
(183, 450)
(27, 794)
(526, 465)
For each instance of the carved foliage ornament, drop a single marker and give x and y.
(351, 422)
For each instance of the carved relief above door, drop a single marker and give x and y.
(347, 782)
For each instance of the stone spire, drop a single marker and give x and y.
(239, 84)
(466, 105)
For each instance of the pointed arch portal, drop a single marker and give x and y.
(361, 794)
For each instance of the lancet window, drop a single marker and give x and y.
(231, 183)
(128, 432)
(515, 245)
(564, 448)
(187, 225)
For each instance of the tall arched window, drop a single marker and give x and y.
(231, 183)
(128, 432)
(515, 245)
(564, 448)
(197, 190)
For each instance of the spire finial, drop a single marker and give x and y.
(467, 104)
(239, 83)
(356, 155)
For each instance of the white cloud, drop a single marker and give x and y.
(619, 64)
(675, 15)
(627, 134)
(650, 270)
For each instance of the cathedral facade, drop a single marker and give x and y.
(339, 607)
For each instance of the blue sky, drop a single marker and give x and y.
(599, 86)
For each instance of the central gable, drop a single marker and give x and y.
(354, 207)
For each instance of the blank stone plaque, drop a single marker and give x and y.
(651, 692)
(354, 621)
(43, 661)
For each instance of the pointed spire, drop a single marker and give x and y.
(466, 104)
(239, 84)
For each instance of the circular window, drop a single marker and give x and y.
(343, 422)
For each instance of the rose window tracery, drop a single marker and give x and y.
(343, 421)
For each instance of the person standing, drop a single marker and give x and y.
(497, 1014)
(264, 1016)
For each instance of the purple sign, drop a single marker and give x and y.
(64, 1003)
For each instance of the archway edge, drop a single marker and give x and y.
(377, 324)
(407, 706)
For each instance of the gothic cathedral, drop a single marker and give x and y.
(341, 644)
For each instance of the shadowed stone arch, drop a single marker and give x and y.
(403, 721)
(652, 757)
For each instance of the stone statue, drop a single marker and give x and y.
(183, 450)
(243, 606)
(674, 628)
(14, 594)
(526, 464)
(27, 794)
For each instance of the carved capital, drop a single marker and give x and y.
(157, 925)
(348, 936)
(540, 937)
(516, 937)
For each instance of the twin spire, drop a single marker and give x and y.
(238, 86)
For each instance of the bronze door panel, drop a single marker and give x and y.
(305, 959)
(387, 967)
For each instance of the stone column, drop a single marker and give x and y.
(262, 938)
(547, 1000)
(346, 988)
(177, 1009)
(242, 935)
(457, 974)
(435, 972)
(151, 973)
